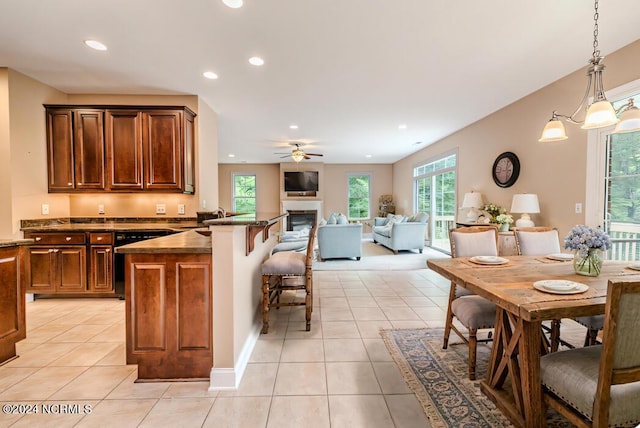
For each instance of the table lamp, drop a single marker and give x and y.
(525, 204)
(473, 201)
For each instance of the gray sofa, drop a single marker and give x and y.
(401, 232)
(339, 241)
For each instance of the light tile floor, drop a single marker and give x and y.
(339, 374)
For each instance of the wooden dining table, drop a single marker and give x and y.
(518, 341)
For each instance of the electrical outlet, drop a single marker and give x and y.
(100, 208)
(204, 204)
(578, 208)
(180, 209)
(45, 209)
(161, 209)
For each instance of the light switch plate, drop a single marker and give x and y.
(161, 209)
(181, 209)
(100, 208)
(45, 209)
(578, 208)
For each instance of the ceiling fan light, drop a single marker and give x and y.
(297, 155)
(629, 121)
(553, 131)
(599, 115)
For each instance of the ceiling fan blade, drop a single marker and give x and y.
(282, 157)
(282, 153)
(314, 154)
(306, 157)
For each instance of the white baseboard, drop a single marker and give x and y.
(221, 379)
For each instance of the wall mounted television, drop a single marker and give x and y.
(301, 181)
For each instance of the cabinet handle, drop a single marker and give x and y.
(107, 250)
(79, 184)
(38, 238)
(51, 250)
(68, 238)
(99, 238)
(69, 184)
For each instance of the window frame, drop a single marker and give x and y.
(369, 180)
(234, 198)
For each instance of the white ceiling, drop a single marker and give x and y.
(348, 72)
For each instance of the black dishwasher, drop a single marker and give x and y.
(124, 238)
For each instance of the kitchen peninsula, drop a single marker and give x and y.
(12, 300)
(193, 300)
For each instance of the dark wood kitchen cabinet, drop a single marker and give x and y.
(120, 148)
(57, 263)
(75, 148)
(12, 307)
(101, 262)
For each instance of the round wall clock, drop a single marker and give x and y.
(506, 169)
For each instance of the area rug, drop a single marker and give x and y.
(377, 257)
(439, 378)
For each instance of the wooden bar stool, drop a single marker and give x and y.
(288, 271)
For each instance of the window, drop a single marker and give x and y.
(434, 186)
(613, 192)
(359, 196)
(244, 193)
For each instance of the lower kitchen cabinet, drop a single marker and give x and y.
(169, 315)
(101, 269)
(12, 319)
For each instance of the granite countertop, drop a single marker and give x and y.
(115, 226)
(258, 219)
(14, 242)
(189, 242)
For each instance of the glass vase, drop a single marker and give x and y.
(504, 227)
(589, 263)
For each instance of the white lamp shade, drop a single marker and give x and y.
(553, 131)
(472, 200)
(525, 203)
(600, 114)
(629, 121)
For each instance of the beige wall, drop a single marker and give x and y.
(332, 183)
(336, 185)
(28, 184)
(555, 171)
(267, 185)
(23, 141)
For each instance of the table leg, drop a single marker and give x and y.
(530, 373)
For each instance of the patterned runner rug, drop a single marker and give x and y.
(439, 379)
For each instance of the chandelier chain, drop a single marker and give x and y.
(596, 15)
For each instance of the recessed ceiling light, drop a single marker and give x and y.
(293, 126)
(210, 75)
(231, 155)
(94, 44)
(234, 4)
(367, 156)
(256, 60)
(402, 127)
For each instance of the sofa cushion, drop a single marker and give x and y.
(418, 218)
(383, 230)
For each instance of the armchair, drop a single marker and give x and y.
(339, 241)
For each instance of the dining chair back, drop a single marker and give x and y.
(599, 386)
(536, 241)
(288, 271)
(473, 312)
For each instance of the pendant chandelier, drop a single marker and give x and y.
(600, 112)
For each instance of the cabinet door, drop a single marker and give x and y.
(100, 270)
(12, 308)
(60, 150)
(42, 275)
(123, 133)
(72, 268)
(89, 150)
(163, 150)
(189, 159)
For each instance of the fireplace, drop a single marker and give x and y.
(301, 219)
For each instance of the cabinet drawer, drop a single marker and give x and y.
(104, 238)
(57, 238)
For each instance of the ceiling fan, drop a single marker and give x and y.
(297, 154)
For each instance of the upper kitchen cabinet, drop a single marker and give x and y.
(75, 149)
(135, 148)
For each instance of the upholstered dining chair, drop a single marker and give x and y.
(288, 271)
(540, 241)
(599, 386)
(473, 312)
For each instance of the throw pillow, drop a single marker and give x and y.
(332, 219)
(342, 219)
(322, 222)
